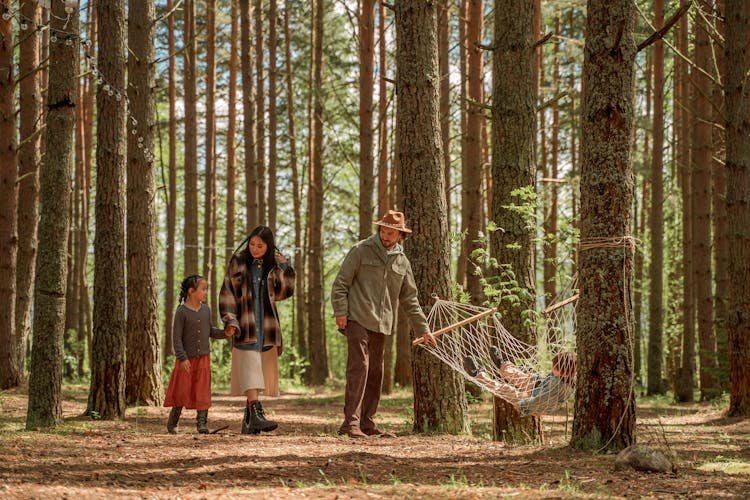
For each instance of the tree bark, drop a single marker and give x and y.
(209, 203)
(191, 141)
(143, 384)
(272, 114)
(737, 128)
(444, 43)
(366, 80)
(231, 139)
(316, 314)
(605, 404)
(29, 160)
(439, 398)
(107, 393)
(656, 221)
(169, 304)
(701, 158)
(45, 394)
(513, 168)
(11, 372)
(248, 109)
(260, 113)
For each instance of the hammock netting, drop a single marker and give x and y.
(473, 341)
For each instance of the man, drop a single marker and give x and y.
(374, 279)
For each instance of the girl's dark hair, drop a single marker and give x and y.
(188, 283)
(269, 259)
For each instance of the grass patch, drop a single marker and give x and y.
(726, 465)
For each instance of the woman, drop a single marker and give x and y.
(257, 276)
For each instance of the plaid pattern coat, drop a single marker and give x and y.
(236, 301)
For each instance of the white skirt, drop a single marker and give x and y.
(247, 372)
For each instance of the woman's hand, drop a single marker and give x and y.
(280, 259)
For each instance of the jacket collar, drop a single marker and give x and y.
(374, 241)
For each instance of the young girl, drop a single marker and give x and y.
(190, 385)
(257, 276)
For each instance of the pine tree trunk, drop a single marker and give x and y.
(45, 394)
(299, 260)
(11, 372)
(29, 160)
(737, 62)
(684, 386)
(191, 141)
(107, 393)
(248, 109)
(231, 139)
(366, 159)
(209, 202)
(439, 398)
(471, 169)
(272, 114)
(656, 220)
(551, 205)
(169, 302)
(513, 168)
(444, 44)
(316, 315)
(143, 383)
(605, 406)
(701, 159)
(260, 113)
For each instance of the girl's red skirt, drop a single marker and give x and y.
(191, 390)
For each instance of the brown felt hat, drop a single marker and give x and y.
(395, 220)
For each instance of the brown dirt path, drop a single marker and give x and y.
(305, 458)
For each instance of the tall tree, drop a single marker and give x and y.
(550, 188)
(316, 317)
(191, 139)
(231, 139)
(605, 406)
(107, 393)
(471, 169)
(45, 395)
(513, 173)
(701, 158)
(683, 387)
(439, 398)
(444, 44)
(248, 113)
(366, 78)
(299, 260)
(209, 203)
(11, 372)
(260, 113)
(656, 221)
(143, 383)
(29, 160)
(172, 189)
(272, 113)
(737, 64)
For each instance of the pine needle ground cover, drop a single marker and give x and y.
(86, 458)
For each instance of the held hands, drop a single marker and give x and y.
(430, 339)
(185, 366)
(341, 322)
(230, 330)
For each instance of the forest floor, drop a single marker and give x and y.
(84, 458)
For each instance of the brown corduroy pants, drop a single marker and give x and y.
(364, 376)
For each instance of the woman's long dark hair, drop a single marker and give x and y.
(269, 259)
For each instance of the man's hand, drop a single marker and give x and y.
(185, 366)
(341, 322)
(430, 339)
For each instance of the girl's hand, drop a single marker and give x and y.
(185, 366)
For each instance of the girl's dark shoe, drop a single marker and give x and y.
(173, 420)
(202, 422)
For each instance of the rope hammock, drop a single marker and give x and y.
(473, 342)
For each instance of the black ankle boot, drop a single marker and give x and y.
(247, 427)
(257, 421)
(174, 418)
(202, 422)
